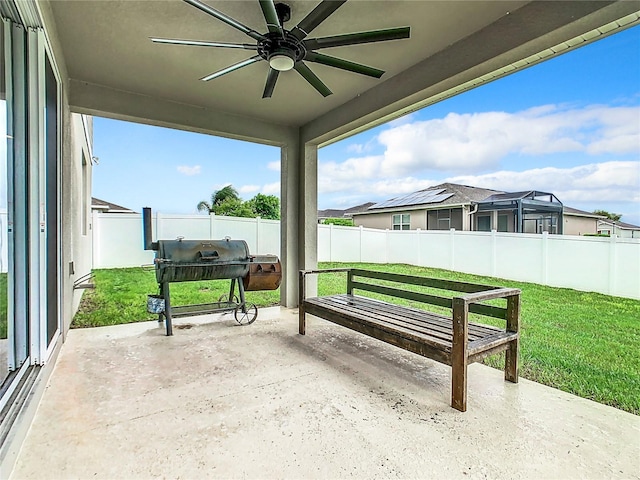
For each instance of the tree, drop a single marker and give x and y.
(217, 198)
(226, 202)
(611, 216)
(265, 206)
(233, 207)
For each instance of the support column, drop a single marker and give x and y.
(299, 216)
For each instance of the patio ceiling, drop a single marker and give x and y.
(116, 71)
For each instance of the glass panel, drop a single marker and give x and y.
(51, 172)
(484, 223)
(503, 223)
(4, 218)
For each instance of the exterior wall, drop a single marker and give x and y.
(373, 220)
(575, 225)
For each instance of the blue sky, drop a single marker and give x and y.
(570, 125)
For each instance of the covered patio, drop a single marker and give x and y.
(128, 402)
(219, 400)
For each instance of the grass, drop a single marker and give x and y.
(584, 343)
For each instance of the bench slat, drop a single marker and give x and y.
(482, 309)
(427, 326)
(424, 281)
(423, 347)
(369, 317)
(435, 320)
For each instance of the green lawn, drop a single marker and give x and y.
(580, 342)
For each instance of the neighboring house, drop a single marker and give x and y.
(579, 222)
(108, 207)
(463, 207)
(348, 213)
(621, 229)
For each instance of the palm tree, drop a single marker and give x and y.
(217, 197)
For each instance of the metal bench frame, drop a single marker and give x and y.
(453, 340)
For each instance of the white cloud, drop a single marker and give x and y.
(249, 188)
(608, 181)
(274, 165)
(189, 171)
(478, 141)
(271, 189)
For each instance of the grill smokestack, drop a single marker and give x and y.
(147, 234)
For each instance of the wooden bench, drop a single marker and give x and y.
(451, 340)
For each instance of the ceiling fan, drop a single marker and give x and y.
(289, 49)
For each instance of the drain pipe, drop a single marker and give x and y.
(471, 212)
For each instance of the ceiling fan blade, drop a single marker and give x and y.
(355, 38)
(311, 77)
(272, 78)
(226, 19)
(236, 66)
(343, 64)
(198, 43)
(271, 16)
(316, 17)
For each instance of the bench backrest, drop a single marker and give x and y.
(357, 280)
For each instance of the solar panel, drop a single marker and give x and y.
(422, 197)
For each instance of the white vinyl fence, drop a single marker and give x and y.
(605, 265)
(117, 237)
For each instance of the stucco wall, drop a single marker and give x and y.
(384, 221)
(574, 225)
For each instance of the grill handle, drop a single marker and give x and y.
(208, 256)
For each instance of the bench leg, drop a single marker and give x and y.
(459, 386)
(511, 362)
(302, 286)
(302, 324)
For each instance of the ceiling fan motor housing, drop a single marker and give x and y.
(275, 44)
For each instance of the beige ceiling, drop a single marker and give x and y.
(107, 43)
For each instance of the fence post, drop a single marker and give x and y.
(494, 260)
(212, 227)
(361, 228)
(452, 246)
(613, 270)
(331, 242)
(418, 249)
(258, 249)
(386, 245)
(95, 240)
(545, 258)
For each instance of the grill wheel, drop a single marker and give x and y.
(248, 316)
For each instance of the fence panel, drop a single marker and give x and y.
(586, 263)
(373, 245)
(518, 257)
(117, 241)
(436, 249)
(191, 227)
(473, 252)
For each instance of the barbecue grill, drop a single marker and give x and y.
(183, 260)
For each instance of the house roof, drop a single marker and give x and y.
(443, 194)
(104, 206)
(580, 213)
(622, 225)
(531, 194)
(336, 213)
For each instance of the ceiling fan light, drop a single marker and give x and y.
(281, 61)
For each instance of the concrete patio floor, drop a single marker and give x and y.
(218, 400)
